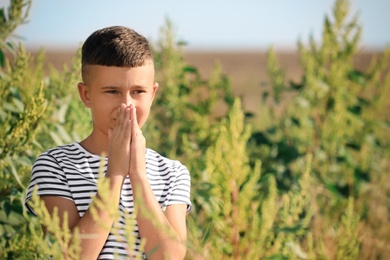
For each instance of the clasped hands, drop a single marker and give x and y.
(126, 152)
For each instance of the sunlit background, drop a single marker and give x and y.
(204, 25)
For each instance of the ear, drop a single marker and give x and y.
(84, 94)
(155, 87)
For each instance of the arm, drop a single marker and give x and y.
(87, 225)
(117, 170)
(165, 234)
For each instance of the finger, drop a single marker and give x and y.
(122, 129)
(119, 118)
(124, 118)
(128, 130)
(134, 125)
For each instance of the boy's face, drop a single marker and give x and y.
(106, 88)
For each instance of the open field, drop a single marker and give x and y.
(247, 70)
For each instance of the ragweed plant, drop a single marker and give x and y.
(10, 18)
(348, 236)
(291, 232)
(244, 214)
(232, 210)
(60, 242)
(19, 115)
(22, 104)
(182, 113)
(336, 114)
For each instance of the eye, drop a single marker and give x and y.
(112, 91)
(138, 91)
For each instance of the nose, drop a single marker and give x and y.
(127, 99)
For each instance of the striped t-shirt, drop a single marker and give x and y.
(71, 172)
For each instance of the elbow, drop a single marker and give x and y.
(170, 252)
(179, 253)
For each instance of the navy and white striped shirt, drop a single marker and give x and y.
(71, 172)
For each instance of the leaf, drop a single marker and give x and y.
(291, 229)
(361, 175)
(2, 59)
(296, 86)
(190, 69)
(8, 230)
(259, 138)
(357, 76)
(10, 108)
(295, 121)
(3, 18)
(18, 104)
(354, 146)
(277, 257)
(15, 219)
(56, 138)
(14, 172)
(182, 43)
(356, 110)
(249, 115)
(184, 89)
(2, 230)
(63, 133)
(265, 95)
(7, 208)
(61, 113)
(338, 190)
(296, 248)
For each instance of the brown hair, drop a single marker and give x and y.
(115, 46)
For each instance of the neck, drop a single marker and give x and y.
(96, 143)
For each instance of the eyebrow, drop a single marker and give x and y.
(109, 87)
(118, 87)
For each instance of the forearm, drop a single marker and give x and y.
(96, 223)
(161, 238)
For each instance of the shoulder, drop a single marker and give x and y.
(49, 172)
(71, 150)
(55, 159)
(154, 159)
(172, 175)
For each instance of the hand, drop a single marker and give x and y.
(137, 166)
(119, 143)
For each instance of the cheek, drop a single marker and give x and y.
(142, 116)
(114, 113)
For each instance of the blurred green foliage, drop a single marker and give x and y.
(311, 184)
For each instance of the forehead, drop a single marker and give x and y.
(144, 74)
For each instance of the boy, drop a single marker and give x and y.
(118, 86)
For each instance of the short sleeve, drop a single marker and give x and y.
(50, 178)
(181, 188)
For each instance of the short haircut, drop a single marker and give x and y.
(117, 46)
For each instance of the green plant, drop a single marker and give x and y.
(20, 116)
(15, 15)
(183, 109)
(231, 214)
(336, 114)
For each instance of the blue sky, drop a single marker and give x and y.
(203, 24)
